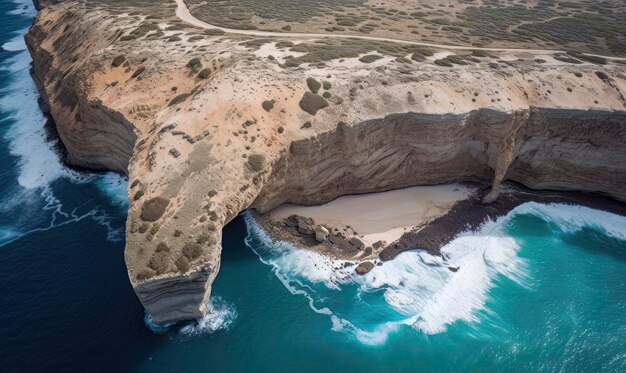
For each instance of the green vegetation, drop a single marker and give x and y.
(160, 262)
(145, 274)
(118, 61)
(370, 58)
(192, 251)
(327, 50)
(194, 64)
(256, 162)
(178, 99)
(154, 208)
(593, 59)
(182, 264)
(204, 73)
(162, 246)
(268, 105)
(311, 103)
(313, 85)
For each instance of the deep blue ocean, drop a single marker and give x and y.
(542, 289)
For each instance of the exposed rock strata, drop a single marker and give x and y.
(386, 126)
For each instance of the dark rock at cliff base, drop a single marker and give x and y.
(311, 103)
(364, 267)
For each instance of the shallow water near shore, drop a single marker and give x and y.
(542, 289)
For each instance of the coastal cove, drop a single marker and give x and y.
(537, 287)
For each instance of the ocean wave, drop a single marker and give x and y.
(220, 315)
(38, 162)
(114, 187)
(572, 218)
(417, 289)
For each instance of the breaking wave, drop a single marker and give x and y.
(417, 289)
(220, 315)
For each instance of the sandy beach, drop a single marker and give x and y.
(382, 216)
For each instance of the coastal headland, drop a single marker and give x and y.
(207, 123)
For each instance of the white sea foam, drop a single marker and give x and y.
(571, 218)
(220, 315)
(39, 164)
(415, 285)
(114, 186)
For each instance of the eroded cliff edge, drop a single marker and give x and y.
(208, 124)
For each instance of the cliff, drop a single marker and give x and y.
(207, 124)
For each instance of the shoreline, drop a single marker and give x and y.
(466, 214)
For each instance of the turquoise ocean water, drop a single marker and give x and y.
(542, 289)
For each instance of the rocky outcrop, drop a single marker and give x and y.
(200, 149)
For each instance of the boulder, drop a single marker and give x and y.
(364, 267)
(356, 243)
(320, 233)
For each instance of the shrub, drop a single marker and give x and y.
(178, 99)
(213, 32)
(418, 57)
(326, 85)
(443, 62)
(154, 208)
(370, 58)
(162, 246)
(480, 54)
(204, 73)
(138, 195)
(182, 264)
(585, 57)
(311, 103)
(160, 262)
(194, 63)
(192, 251)
(267, 105)
(177, 233)
(202, 239)
(313, 84)
(117, 61)
(143, 228)
(145, 274)
(155, 228)
(256, 162)
(138, 72)
(326, 94)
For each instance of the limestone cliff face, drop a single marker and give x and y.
(207, 125)
(540, 148)
(96, 136)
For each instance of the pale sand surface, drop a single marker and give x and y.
(382, 216)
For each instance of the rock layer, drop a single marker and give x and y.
(206, 147)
